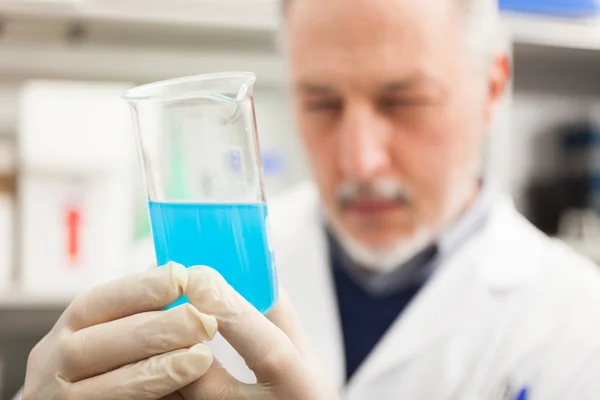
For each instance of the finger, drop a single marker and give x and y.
(102, 348)
(150, 379)
(284, 316)
(266, 349)
(216, 384)
(148, 291)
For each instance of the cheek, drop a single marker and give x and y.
(321, 150)
(423, 155)
(431, 159)
(450, 139)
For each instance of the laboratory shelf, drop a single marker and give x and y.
(18, 300)
(130, 64)
(258, 15)
(138, 40)
(148, 40)
(263, 16)
(583, 34)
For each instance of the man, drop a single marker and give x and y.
(412, 277)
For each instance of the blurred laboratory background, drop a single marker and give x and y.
(72, 207)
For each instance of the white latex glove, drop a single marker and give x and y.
(112, 343)
(274, 349)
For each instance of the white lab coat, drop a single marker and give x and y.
(512, 308)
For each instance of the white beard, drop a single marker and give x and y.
(384, 261)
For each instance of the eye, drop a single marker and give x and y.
(324, 105)
(391, 103)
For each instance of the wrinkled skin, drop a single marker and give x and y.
(387, 91)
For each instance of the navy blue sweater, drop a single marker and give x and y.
(364, 317)
(369, 303)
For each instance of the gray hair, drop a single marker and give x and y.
(484, 36)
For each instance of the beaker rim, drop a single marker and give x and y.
(152, 91)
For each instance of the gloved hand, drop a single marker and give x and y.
(112, 343)
(274, 349)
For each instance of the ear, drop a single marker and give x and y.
(499, 78)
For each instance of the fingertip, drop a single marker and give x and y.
(179, 275)
(203, 358)
(210, 293)
(210, 325)
(201, 276)
(203, 269)
(202, 350)
(186, 366)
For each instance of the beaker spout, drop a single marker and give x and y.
(229, 87)
(237, 102)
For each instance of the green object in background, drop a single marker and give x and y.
(178, 188)
(142, 223)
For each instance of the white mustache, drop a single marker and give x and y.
(385, 189)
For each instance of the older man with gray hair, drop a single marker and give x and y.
(411, 275)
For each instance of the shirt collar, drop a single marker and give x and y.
(418, 269)
(452, 237)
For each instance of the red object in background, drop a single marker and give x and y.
(72, 220)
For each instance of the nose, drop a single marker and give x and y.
(363, 144)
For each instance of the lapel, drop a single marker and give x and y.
(462, 295)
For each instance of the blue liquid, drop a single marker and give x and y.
(230, 238)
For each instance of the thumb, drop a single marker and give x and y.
(284, 316)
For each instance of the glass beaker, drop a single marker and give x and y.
(201, 163)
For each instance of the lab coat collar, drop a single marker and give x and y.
(461, 294)
(511, 249)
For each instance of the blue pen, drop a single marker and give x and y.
(523, 394)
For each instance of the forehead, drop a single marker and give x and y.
(365, 40)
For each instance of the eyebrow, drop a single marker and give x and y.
(401, 86)
(412, 83)
(398, 86)
(315, 89)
